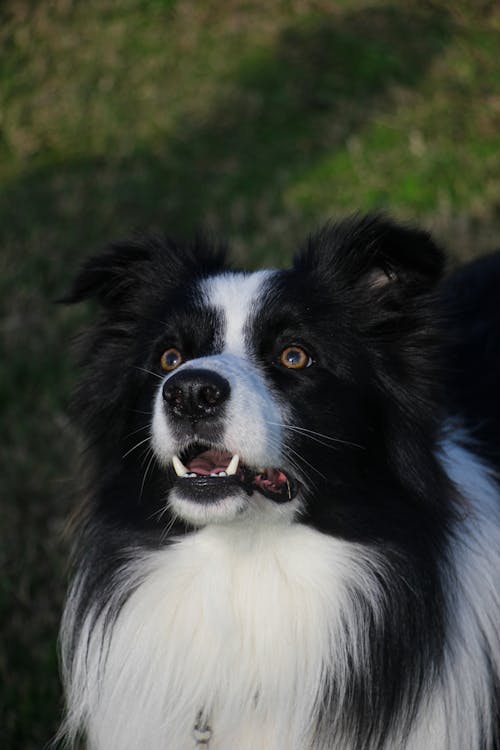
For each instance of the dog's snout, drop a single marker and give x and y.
(195, 394)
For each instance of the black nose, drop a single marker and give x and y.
(196, 394)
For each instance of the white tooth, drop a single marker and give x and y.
(179, 467)
(222, 474)
(233, 465)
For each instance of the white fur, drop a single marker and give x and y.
(253, 418)
(239, 620)
(464, 691)
(243, 619)
(236, 296)
(254, 415)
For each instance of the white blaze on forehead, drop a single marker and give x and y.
(237, 296)
(252, 423)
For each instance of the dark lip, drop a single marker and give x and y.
(219, 485)
(208, 490)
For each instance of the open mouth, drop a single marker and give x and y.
(208, 472)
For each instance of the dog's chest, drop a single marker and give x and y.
(237, 623)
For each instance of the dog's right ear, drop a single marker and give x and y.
(117, 276)
(110, 277)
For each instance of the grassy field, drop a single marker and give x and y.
(254, 120)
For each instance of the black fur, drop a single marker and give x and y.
(364, 298)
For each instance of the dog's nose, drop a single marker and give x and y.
(196, 394)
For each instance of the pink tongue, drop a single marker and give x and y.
(272, 479)
(209, 462)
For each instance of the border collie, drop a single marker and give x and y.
(291, 537)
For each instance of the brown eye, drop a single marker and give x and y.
(170, 359)
(295, 358)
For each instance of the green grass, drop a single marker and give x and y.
(255, 120)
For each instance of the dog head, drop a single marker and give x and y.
(211, 395)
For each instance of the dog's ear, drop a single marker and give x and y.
(373, 253)
(110, 276)
(125, 269)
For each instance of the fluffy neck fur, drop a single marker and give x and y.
(266, 629)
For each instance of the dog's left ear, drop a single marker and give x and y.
(373, 253)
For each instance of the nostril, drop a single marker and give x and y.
(210, 394)
(172, 394)
(174, 398)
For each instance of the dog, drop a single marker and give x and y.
(291, 535)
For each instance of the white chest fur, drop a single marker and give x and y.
(237, 621)
(244, 621)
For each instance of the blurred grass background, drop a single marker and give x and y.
(255, 120)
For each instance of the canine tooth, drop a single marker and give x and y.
(233, 466)
(179, 467)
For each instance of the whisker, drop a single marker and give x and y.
(313, 434)
(170, 524)
(145, 454)
(318, 441)
(141, 442)
(302, 474)
(152, 458)
(158, 513)
(299, 471)
(149, 372)
(301, 458)
(139, 429)
(285, 449)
